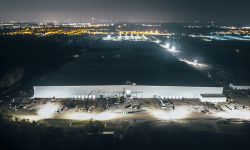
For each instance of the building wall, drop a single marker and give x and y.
(213, 99)
(238, 87)
(120, 90)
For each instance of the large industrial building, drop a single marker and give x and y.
(82, 92)
(239, 86)
(134, 69)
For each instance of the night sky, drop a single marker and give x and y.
(228, 11)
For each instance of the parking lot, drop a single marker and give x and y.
(133, 111)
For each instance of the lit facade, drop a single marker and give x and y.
(239, 87)
(135, 91)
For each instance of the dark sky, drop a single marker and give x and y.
(231, 11)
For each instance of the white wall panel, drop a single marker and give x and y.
(112, 90)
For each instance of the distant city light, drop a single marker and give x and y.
(172, 49)
(167, 45)
(157, 41)
(195, 64)
(108, 37)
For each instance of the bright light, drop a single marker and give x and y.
(180, 113)
(104, 116)
(126, 37)
(109, 37)
(173, 48)
(87, 116)
(77, 116)
(157, 41)
(47, 110)
(234, 114)
(119, 37)
(196, 64)
(167, 45)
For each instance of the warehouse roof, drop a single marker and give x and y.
(115, 63)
